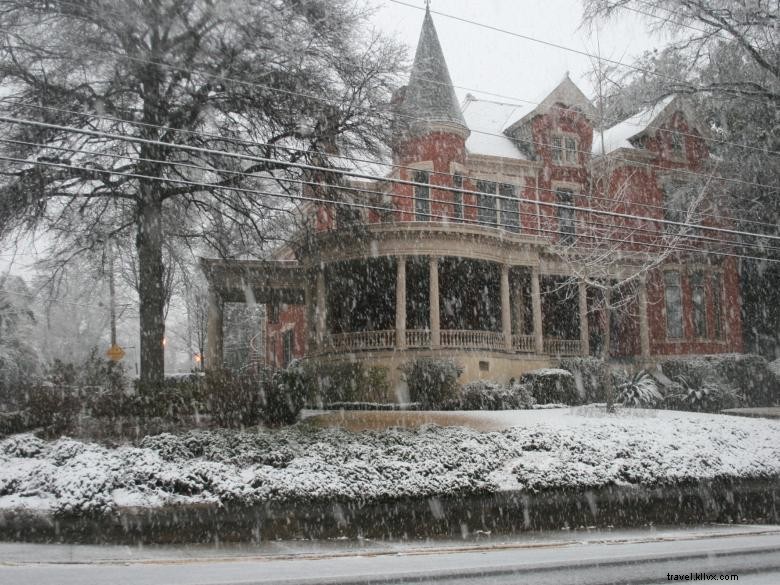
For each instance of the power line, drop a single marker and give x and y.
(374, 207)
(395, 195)
(554, 45)
(406, 116)
(308, 167)
(350, 158)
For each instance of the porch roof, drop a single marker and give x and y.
(264, 281)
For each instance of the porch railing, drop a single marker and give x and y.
(523, 343)
(418, 338)
(361, 340)
(450, 338)
(467, 339)
(568, 347)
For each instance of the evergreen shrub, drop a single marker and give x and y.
(735, 377)
(552, 385)
(490, 395)
(639, 391)
(432, 382)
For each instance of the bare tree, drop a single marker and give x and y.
(725, 55)
(117, 89)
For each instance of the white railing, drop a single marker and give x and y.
(361, 340)
(523, 343)
(418, 338)
(562, 346)
(467, 339)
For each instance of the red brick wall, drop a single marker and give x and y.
(290, 316)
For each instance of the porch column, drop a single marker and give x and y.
(519, 310)
(321, 310)
(214, 333)
(536, 305)
(644, 329)
(506, 308)
(400, 302)
(311, 310)
(584, 335)
(433, 269)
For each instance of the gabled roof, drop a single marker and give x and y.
(487, 121)
(567, 93)
(429, 95)
(624, 134)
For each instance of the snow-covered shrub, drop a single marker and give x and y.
(172, 399)
(283, 396)
(23, 446)
(552, 385)
(234, 399)
(747, 374)
(639, 391)
(340, 382)
(591, 376)
(433, 383)
(12, 422)
(55, 408)
(775, 367)
(701, 393)
(95, 372)
(489, 395)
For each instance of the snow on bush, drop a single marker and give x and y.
(305, 463)
(639, 391)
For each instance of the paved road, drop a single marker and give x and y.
(754, 556)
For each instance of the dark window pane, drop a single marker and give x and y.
(487, 213)
(510, 218)
(699, 301)
(457, 198)
(557, 146)
(673, 298)
(422, 196)
(287, 349)
(717, 305)
(571, 150)
(566, 216)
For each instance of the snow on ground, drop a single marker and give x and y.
(580, 448)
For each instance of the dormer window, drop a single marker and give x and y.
(678, 146)
(564, 150)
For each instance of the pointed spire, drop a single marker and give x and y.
(429, 95)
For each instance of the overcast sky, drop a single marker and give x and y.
(496, 62)
(491, 61)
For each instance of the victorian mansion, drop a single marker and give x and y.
(504, 237)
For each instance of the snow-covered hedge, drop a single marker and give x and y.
(552, 385)
(746, 376)
(489, 395)
(552, 449)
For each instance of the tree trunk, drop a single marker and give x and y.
(151, 293)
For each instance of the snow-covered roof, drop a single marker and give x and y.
(487, 121)
(620, 135)
(565, 92)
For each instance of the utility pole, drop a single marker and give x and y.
(112, 294)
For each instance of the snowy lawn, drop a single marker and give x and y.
(534, 450)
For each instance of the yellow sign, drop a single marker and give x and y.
(115, 353)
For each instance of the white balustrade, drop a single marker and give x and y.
(361, 340)
(418, 338)
(523, 343)
(569, 347)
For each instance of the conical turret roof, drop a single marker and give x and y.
(429, 96)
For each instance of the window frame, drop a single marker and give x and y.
(288, 347)
(509, 216)
(566, 214)
(487, 204)
(698, 283)
(716, 284)
(457, 197)
(422, 195)
(680, 311)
